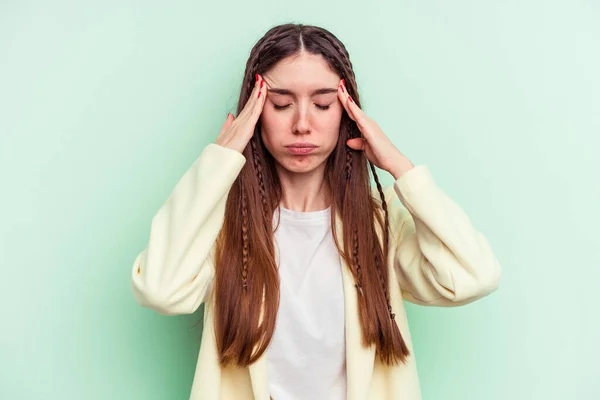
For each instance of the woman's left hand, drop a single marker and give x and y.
(376, 145)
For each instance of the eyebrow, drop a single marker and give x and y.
(288, 92)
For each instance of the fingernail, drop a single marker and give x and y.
(262, 83)
(343, 82)
(341, 87)
(256, 77)
(259, 93)
(350, 98)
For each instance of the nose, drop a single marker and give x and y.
(301, 123)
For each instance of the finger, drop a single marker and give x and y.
(250, 103)
(356, 143)
(355, 113)
(353, 110)
(345, 99)
(226, 124)
(256, 103)
(261, 97)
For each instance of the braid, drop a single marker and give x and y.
(257, 54)
(261, 181)
(245, 250)
(379, 269)
(348, 163)
(356, 262)
(252, 65)
(385, 240)
(343, 63)
(245, 240)
(383, 205)
(344, 66)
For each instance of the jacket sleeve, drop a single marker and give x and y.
(440, 259)
(172, 275)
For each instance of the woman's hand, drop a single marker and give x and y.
(376, 145)
(237, 132)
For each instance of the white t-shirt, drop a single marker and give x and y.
(307, 356)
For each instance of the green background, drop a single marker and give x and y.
(105, 105)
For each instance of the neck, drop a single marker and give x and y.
(304, 192)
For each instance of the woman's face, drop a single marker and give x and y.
(302, 106)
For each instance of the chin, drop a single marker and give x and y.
(299, 164)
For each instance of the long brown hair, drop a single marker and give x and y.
(246, 269)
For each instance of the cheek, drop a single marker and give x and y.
(271, 125)
(268, 118)
(331, 124)
(273, 130)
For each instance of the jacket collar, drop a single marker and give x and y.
(359, 359)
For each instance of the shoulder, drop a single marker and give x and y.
(401, 192)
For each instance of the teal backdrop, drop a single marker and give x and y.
(104, 105)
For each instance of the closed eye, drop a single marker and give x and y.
(320, 107)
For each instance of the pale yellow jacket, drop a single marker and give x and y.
(436, 258)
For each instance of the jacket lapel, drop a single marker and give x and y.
(259, 371)
(359, 359)
(259, 378)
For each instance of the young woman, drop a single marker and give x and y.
(303, 266)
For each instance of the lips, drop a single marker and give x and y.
(302, 145)
(301, 149)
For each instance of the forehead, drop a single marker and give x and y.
(302, 73)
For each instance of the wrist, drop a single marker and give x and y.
(401, 167)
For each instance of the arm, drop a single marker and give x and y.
(173, 273)
(440, 259)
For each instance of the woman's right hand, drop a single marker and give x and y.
(237, 132)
